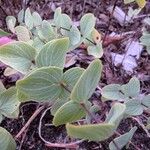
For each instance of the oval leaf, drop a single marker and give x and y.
(93, 132)
(18, 55)
(41, 85)
(67, 113)
(6, 140)
(53, 53)
(87, 83)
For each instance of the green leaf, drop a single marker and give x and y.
(53, 53)
(57, 17)
(112, 92)
(18, 55)
(2, 88)
(28, 19)
(122, 140)
(141, 3)
(92, 132)
(132, 88)
(69, 112)
(133, 107)
(116, 114)
(128, 1)
(9, 102)
(66, 21)
(22, 33)
(87, 24)
(6, 140)
(11, 22)
(87, 83)
(21, 16)
(46, 32)
(37, 44)
(37, 20)
(59, 102)
(41, 85)
(95, 50)
(70, 78)
(3, 33)
(146, 100)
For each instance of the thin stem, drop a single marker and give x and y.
(73, 145)
(29, 121)
(89, 113)
(65, 87)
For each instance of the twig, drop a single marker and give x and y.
(73, 145)
(142, 125)
(29, 121)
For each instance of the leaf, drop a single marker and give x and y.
(3, 33)
(116, 114)
(74, 35)
(96, 36)
(132, 88)
(46, 31)
(59, 102)
(9, 102)
(133, 107)
(66, 21)
(41, 85)
(87, 24)
(122, 140)
(22, 33)
(37, 20)
(112, 92)
(92, 132)
(95, 50)
(69, 112)
(87, 83)
(37, 44)
(53, 53)
(11, 22)
(2, 88)
(141, 3)
(146, 100)
(128, 1)
(21, 16)
(17, 55)
(6, 140)
(28, 19)
(57, 17)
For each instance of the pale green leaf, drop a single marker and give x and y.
(3, 33)
(112, 92)
(146, 101)
(11, 22)
(46, 32)
(6, 140)
(37, 20)
(95, 50)
(128, 1)
(132, 88)
(133, 107)
(116, 114)
(57, 17)
(53, 53)
(92, 132)
(37, 44)
(2, 88)
(41, 85)
(22, 33)
(18, 55)
(122, 140)
(87, 83)
(87, 24)
(69, 112)
(21, 16)
(28, 19)
(141, 3)
(9, 102)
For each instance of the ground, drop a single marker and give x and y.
(106, 24)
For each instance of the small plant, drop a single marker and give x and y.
(39, 55)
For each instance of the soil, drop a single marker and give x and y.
(111, 74)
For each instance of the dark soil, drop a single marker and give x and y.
(111, 74)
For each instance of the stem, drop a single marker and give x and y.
(65, 87)
(73, 145)
(29, 121)
(89, 113)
